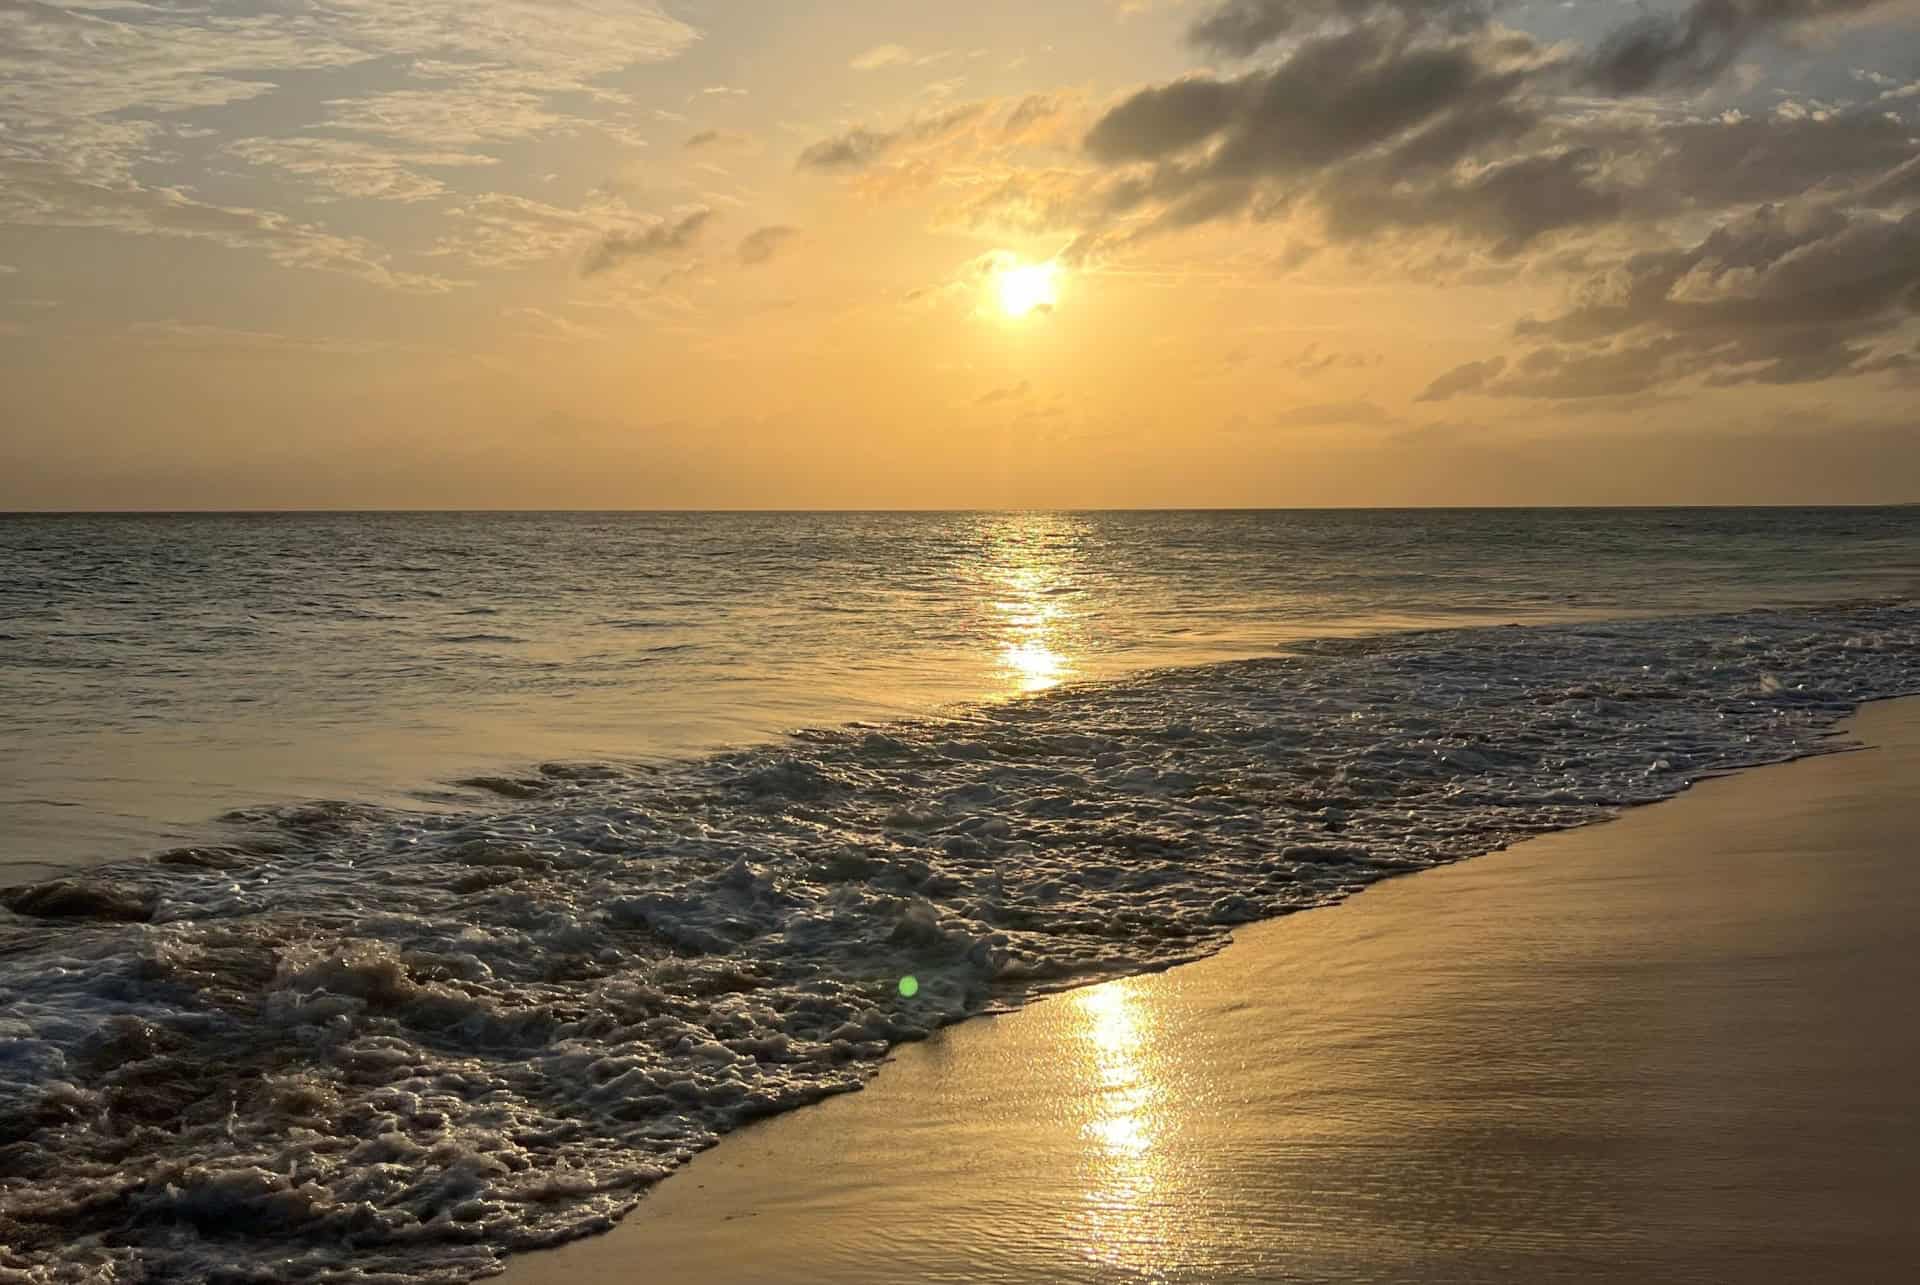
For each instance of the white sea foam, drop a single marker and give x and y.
(363, 1045)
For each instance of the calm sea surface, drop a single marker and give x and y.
(157, 670)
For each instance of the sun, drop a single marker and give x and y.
(1029, 288)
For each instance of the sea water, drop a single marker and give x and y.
(391, 892)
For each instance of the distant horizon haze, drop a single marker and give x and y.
(1036, 509)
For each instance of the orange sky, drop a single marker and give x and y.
(605, 253)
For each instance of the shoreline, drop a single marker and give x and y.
(554, 1005)
(1599, 1065)
(165, 815)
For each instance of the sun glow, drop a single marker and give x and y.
(1029, 288)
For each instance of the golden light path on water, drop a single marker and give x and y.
(1031, 577)
(1129, 1218)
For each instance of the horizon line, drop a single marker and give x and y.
(844, 511)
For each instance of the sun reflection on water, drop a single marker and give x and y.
(1030, 575)
(1123, 1221)
(1035, 665)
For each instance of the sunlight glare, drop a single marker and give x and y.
(1035, 665)
(1029, 288)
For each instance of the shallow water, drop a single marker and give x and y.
(362, 1040)
(1654, 1051)
(339, 1039)
(158, 670)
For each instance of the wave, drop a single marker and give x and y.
(356, 1041)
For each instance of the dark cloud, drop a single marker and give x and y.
(761, 244)
(1658, 50)
(1164, 119)
(1377, 131)
(1693, 47)
(1508, 205)
(1380, 129)
(1899, 186)
(1469, 378)
(1750, 160)
(1334, 97)
(1210, 142)
(662, 236)
(1783, 295)
(1238, 28)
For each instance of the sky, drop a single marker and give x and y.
(865, 254)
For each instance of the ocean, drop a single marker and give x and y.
(394, 891)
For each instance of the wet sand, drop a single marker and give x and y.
(1679, 1047)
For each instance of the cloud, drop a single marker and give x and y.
(345, 167)
(882, 56)
(1718, 163)
(501, 230)
(1428, 120)
(852, 150)
(41, 193)
(1417, 134)
(93, 104)
(713, 139)
(1361, 108)
(1687, 48)
(661, 236)
(962, 146)
(469, 113)
(1693, 47)
(541, 324)
(1006, 393)
(977, 158)
(762, 244)
(1333, 98)
(67, 67)
(1471, 377)
(1315, 360)
(1782, 295)
(859, 147)
(1508, 204)
(1239, 28)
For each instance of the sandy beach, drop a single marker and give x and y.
(1676, 1047)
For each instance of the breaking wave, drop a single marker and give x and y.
(356, 1044)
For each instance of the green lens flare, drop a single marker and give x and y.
(909, 985)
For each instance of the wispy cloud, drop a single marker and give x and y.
(762, 244)
(42, 193)
(714, 139)
(645, 240)
(882, 56)
(93, 102)
(345, 167)
(1004, 393)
